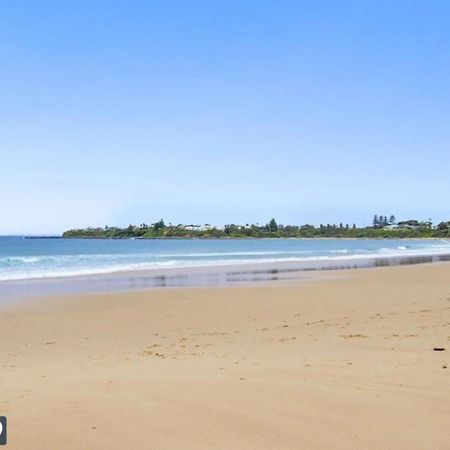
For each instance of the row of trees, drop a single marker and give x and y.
(382, 221)
(380, 229)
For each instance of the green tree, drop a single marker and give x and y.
(376, 222)
(273, 226)
(159, 225)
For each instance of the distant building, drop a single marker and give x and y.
(414, 224)
(204, 227)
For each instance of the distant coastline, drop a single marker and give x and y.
(382, 228)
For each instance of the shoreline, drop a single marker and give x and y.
(234, 238)
(212, 275)
(321, 363)
(400, 236)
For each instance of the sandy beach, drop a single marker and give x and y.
(346, 360)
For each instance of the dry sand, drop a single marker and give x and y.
(342, 363)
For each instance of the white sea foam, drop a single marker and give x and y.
(20, 267)
(219, 254)
(96, 270)
(21, 259)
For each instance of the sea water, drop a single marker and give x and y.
(23, 258)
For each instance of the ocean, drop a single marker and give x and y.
(26, 259)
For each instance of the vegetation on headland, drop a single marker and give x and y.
(382, 227)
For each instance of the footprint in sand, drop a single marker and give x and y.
(151, 353)
(351, 336)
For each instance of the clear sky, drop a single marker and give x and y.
(222, 111)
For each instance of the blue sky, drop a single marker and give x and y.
(307, 111)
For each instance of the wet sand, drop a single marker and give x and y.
(344, 362)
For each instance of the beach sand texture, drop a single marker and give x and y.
(347, 362)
